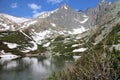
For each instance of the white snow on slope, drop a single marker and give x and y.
(7, 56)
(80, 50)
(85, 16)
(76, 57)
(47, 44)
(43, 14)
(15, 19)
(81, 21)
(117, 47)
(75, 45)
(40, 35)
(65, 7)
(5, 27)
(78, 30)
(27, 24)
(11, 45)
(53, 24)
(31, 23)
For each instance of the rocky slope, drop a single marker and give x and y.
(58, 31)
(101, 59)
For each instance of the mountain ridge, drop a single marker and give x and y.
(66, 16)
(58, 24)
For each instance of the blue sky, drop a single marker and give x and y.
(31, 8)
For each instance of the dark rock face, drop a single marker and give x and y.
(97, 13)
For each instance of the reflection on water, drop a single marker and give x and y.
(33, 68)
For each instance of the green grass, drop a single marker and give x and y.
(97, 63)
(20, 39)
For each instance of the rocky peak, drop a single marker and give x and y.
(65, 6)
(96, 13)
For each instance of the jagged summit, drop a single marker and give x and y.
(65, 6)
(95, 13)
(63, 17)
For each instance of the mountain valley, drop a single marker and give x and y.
(93, 35)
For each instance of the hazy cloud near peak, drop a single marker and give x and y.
(34, 6)
(54, 1)
(14, 5)
(35, 9)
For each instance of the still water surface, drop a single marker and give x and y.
(33, 68)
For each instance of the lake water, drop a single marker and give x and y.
(33, 68)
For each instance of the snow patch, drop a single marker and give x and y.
(53, 24)
(76, 57)
(40, 36)
(11, 45)
(27, 24)
(78, 30)
(7, 56)
(44, 14)
(6, 27)
(82, 21)
(117, 47)
(75, 45)
(85, 16)
(47, 44)
(31, 23)
(65, 7)
(78, 37)
(80, 50)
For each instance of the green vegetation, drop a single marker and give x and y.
(93, 66)
(19, 39)
(63, 45)
(99, 62)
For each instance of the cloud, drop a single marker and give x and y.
(35, 9)
(54, 1)
(14, 5)
(34, 6)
